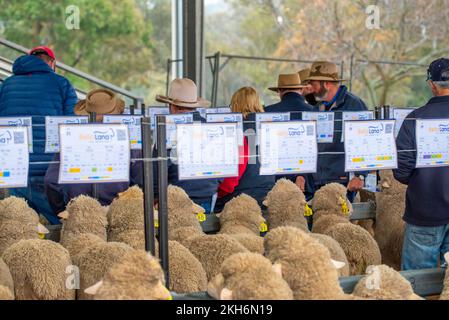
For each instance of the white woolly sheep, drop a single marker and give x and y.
(445, 293)
(76, 243)
(331, 199)
(335, 250)
(182, 211)
(6, 282)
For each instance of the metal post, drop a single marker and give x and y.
(215, 80)
(93, 119)
(167, 81)
(163, 201)
(387, 112)
(148, 191)
(351, 70)
(342, 69)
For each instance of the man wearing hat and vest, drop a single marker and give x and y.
(426, 237)
(332, 96)
(101, 102)
(36, 90)
(183, 98)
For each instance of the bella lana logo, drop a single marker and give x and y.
(296, 131)
(372, 130)
(215, 133)
(444, 128)
(99, 136)
(5, 137)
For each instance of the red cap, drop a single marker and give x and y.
(44, 49)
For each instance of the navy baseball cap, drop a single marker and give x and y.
(436, 70)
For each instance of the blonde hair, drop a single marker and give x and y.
(245, 101)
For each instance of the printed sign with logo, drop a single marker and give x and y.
(14, 157)
(355, 116)
(370, 145)
(172, 121)
(399, 114)
(94, 153)
(288, 148)
(52, 129)
(133, 123)
(152, 113)
(432, 141)
(269, 117)
(207, 150)
(227, 118)
(325, 125)
(20, 122)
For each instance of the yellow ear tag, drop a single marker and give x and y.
(263, 227)
(344, 208)
(308, 212)
(171, 298)
(156, 223)
(41, 236)
(201, 217)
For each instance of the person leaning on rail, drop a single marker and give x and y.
(246, 101)
(332, 96)
(102, 102)
(426, 237)
(183, 98)
(36, 90)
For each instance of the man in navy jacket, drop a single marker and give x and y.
(426, 238)
(36, 90)
(333, 97)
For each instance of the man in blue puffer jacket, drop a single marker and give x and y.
(36, 90)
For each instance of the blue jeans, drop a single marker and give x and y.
(424, 246)
(36, 197)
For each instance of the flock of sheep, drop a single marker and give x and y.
(107, 247)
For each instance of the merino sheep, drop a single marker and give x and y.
(187, 274)
(241, 219)
(384, 283)
(360, 248)
(249, 276)
(138, 276)
(38, 268)
(335, 250)
(306, 264)
(445, 293)
(183, 234)
(182, 212)
(93, 263)
(17, 209)
(84, 215)
(286, 206)
(78, 242)
(331, 199)
(324, 222)
(389, 224)
(212, 250)
(6, 282)
(12, 231)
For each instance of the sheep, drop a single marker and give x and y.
(182, 212)
(78, 242)
(126, 213)
(6, 282)
(17, 209)
(384, 283)
(249, 276)
(212, 250)
(286, 206)
(445, 293)
(138, 276)
(241, 219)
(187, 274)
(38, 268)
(335, 250)
(306, 264)
(93, 262)
(326, 221)
(83, 215)
(360, 248)
(183, 234)
(331, 199)
(390, 227)
(12, 231)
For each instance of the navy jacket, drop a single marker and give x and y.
(36, 90)
(59, 195)
(331, 167)
(290, 102)
(427, 199)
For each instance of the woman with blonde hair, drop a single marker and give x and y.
(246, 101)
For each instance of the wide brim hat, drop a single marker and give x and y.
(303, 75)
(101, 102)
(288, 81)
(324, 71)
(184, 93)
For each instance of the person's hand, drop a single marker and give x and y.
(301, 183)
(356, 184)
